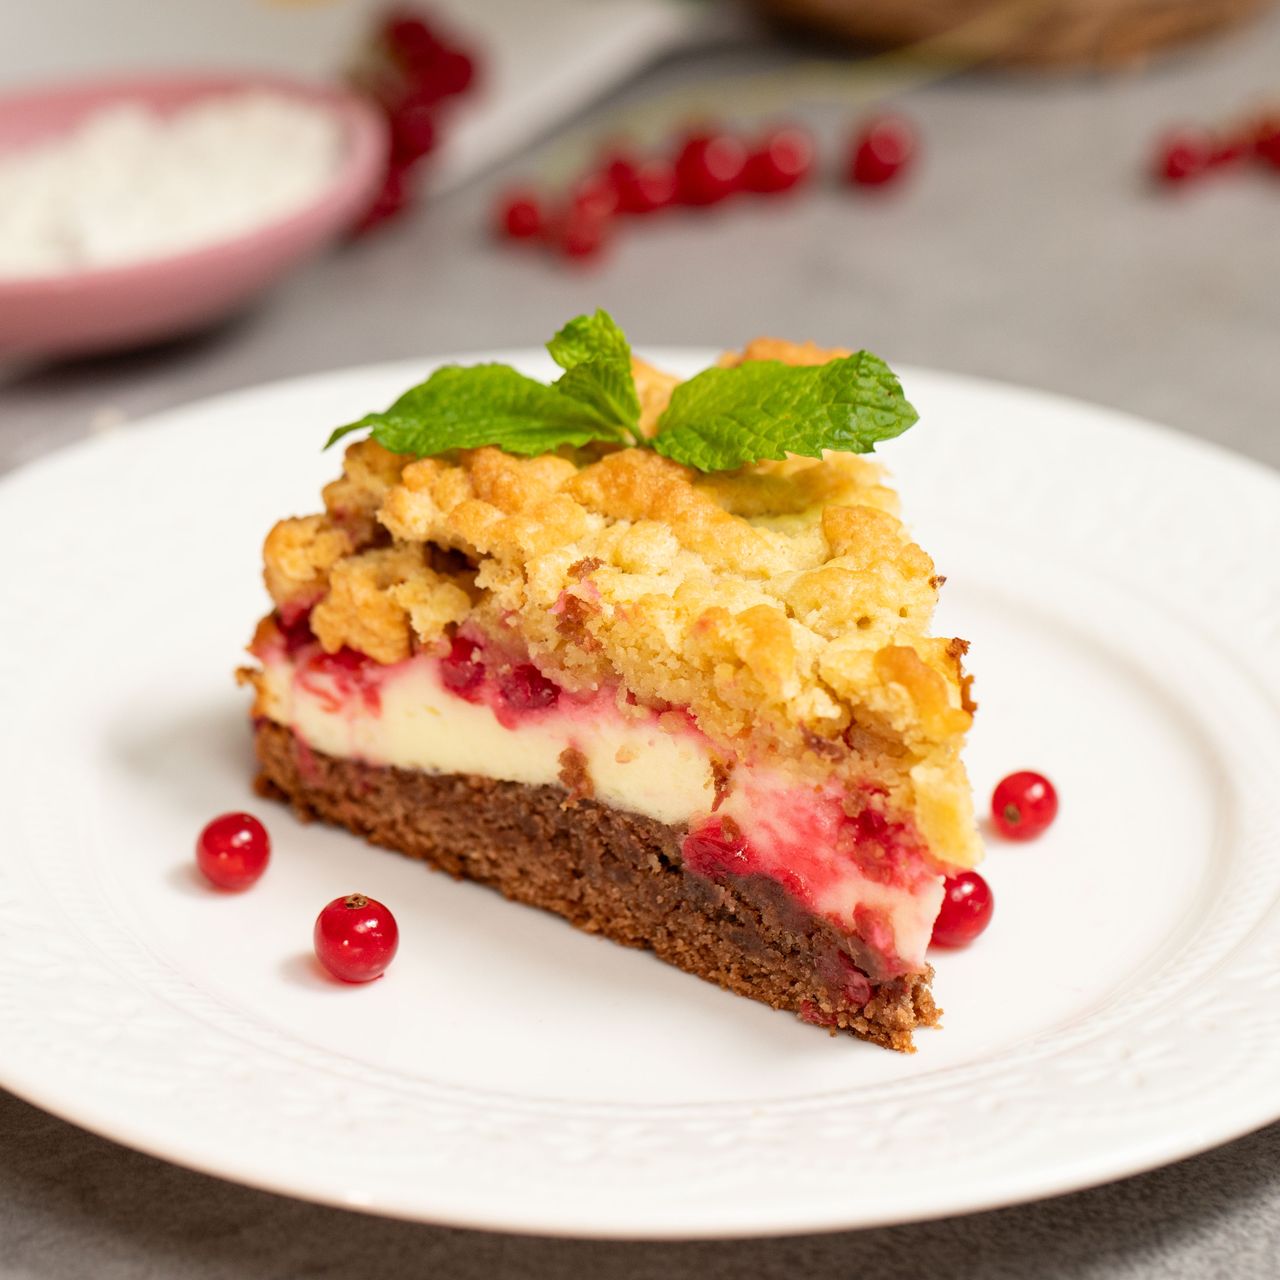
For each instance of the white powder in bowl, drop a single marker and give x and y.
(129, 183)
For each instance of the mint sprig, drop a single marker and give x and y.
(466, 407)
(716, 421)
(724, 418)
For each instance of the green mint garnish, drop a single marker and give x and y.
(596, 358)
(723, 418)
(718, 420)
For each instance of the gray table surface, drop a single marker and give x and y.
(1027, 248)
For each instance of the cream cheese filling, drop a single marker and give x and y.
(412, 721)
(634, 765)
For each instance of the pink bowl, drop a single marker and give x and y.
(111, 308)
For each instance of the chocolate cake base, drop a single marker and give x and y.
(607, 872)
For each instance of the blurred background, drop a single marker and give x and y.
(1079, 193)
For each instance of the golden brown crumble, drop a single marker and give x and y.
(784, 604)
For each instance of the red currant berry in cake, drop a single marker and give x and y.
(716, 849)
(1183, 154)
(232, 851)
(520, 215)
(525, 688)
(356, 938)
(783, 159)
(1023, 805)
(709, 168)
(461, 670)
(966, 910)
(882, 151)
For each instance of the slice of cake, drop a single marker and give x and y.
(694, 711)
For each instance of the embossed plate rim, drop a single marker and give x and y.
(146, 1111)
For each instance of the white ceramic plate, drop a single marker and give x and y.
(1119, 586)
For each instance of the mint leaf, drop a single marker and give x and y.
(725, 418)
(587, 338)
(608, 391)
(718, 420)
(596, 358)
(493, 404)
(485, 404)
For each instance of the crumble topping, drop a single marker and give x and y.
(783, 604)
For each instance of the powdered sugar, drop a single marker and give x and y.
(129, 184)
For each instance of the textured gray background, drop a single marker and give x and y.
(1027, 248)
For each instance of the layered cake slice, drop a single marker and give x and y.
(697, 711)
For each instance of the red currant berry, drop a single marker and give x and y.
(653, 187)
(520, 215)
(232, 851)
(410, 39)
(1023, 805)
(579, 233)
(1183, 154)
(525, 688)
(453, 72)
(967, 905)
(413, 132)
(882, 151)
(295, 631)
(595, 195)
(783, 159)
(389, 203)
(716, 850)
(643, 186)
(1266, 140)
(461, 670)
(356, 938)
(709, 168)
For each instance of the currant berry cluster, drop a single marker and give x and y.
(1191, 152)
(1022, 807)
(355, 937)
(411, 70)
(704, 168)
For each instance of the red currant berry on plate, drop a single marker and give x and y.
(1183, 154)
(1023, 805)
(883, 150)
(783, 159)
(356, 938)
(525, 688)
(967, 905)
(520, 215)
(709, 168)
(232, 851)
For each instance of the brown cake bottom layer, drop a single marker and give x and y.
(607, 872)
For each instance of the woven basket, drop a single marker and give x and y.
(1047, 33)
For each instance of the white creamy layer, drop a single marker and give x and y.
(634, 765)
